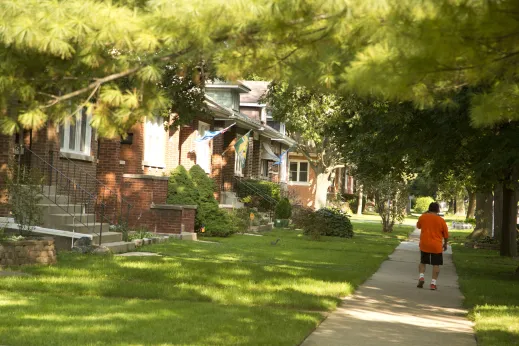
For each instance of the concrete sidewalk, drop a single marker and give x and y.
(389, 309)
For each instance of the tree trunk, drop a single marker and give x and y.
(359, 204)
(460, 204)
(451, 209)
(471, 210)
(321, 189)
(483, 215)
(498, 211)
(509, 230)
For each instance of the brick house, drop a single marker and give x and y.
(133, 171)
(295, 172)
(265, 146)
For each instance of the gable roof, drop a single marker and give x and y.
(257, 90)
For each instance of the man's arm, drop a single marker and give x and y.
(445, 235)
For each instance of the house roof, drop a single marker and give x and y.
(257, 90)
(217, 84)
(245, 122)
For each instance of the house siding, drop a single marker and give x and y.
(305, 193)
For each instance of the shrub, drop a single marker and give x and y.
(470, 220)
(334, 222)
(207, 205)
(24, 191)
(140, 233)
(324, 222)
(283, 209)
(422, 204)
(266, 188)
(300, 216)
(181, 189)
(209, 216)
(121, 227)
(240, 219)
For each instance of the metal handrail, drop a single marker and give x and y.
(116, 216)
(85, 196)
(92, 177)
(258, 192)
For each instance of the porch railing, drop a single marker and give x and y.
(270, 202)
(67, 185)
(117, 209)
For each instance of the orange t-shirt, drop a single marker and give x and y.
(434, 229)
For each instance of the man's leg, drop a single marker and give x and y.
(436, 272)
(421, 279)
(421, 268)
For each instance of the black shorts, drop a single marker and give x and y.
(435, 259)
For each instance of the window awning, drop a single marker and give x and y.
(268, 153)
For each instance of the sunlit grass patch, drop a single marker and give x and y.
(491, 292)
(240, 290)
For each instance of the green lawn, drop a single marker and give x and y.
(491, 292)
(240, 290)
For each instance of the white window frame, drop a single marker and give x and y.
(202, 128)
(65, 127)
(154, 143)
(282, 128)
(299, 182)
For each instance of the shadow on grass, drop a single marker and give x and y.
(48, 320)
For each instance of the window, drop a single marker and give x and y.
(282, 128)
(76, 134)
(203, 149)
(264, 169)
(299, 171)
(155, 142)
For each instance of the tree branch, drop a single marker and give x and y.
(98, 82)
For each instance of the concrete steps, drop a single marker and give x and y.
(108, 237)
(90, 229)
(120, 246)
(51, 208)
(60, 213)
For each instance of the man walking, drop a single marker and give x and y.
(434, 232)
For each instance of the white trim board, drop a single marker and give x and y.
(10, 224)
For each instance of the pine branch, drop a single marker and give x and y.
(99, 81)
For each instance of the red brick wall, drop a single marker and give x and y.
(147, 194)
(133, 154)
(228, 159)
(46, 144)
(188, 219)
(248, 163)
(141, 193)
(109, 172)
(255, 157)
(218, 163)
(6, 147)
(187, 145)
(165, 221)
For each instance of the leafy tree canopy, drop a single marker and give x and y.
(111, 56)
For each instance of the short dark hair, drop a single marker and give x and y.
(434, 207)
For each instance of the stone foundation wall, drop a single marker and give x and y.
(27, 252)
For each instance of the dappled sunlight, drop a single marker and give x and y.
(285, 282)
